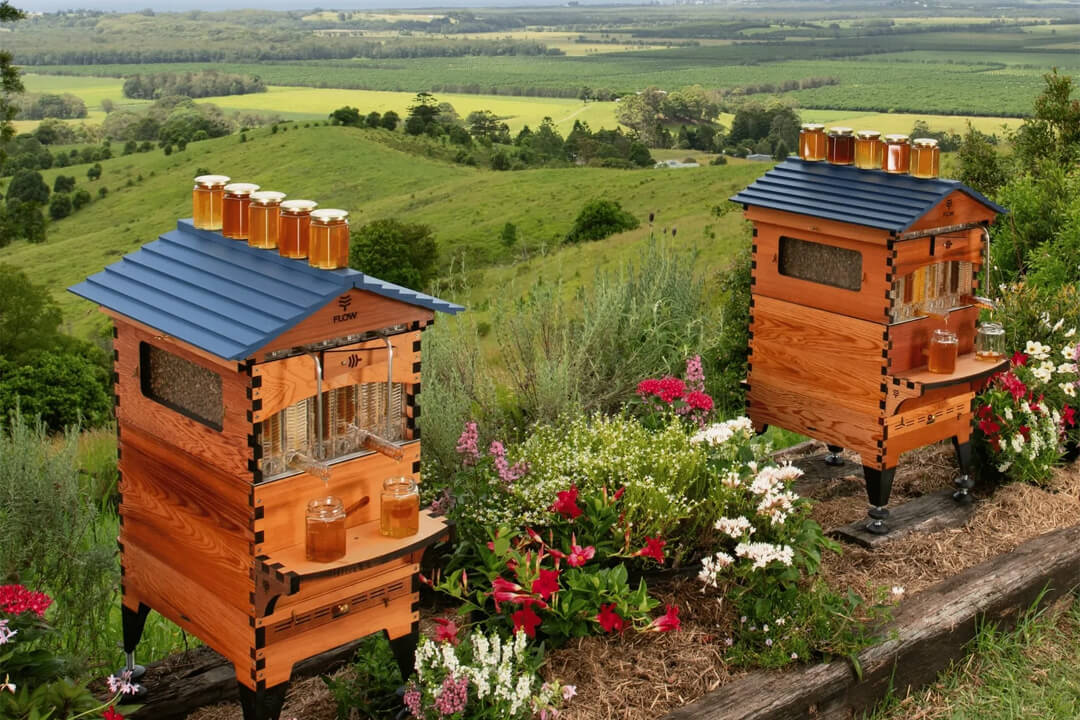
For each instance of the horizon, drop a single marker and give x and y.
(124, 6)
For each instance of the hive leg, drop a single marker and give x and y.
(963, 482)
(833, 458)
(404, 649)
(133, 622)
(878, 488)
(263, 703)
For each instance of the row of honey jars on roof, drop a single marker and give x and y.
(867, 150)
(266, 220)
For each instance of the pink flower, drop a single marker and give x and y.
(580, 555)
(654, 548)
(610, 620)
(1014, 385)
(1068, 416)
(695, 375)
(525, 619)
(667, 389)
(452, 696)
(506, 591)
(619, 493)
(507, 473)
(668, 621)
(566, 504)
(447, 631)
(412, 700)
(466, 444)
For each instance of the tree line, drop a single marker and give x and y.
(191, 84)
(37, 106)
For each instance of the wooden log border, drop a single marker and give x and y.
(928, 631)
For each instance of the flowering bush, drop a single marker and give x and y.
(666, 395)
(482, 677)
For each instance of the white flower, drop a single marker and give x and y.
(7, 685)
(780, 621)
(897, 590)
(734, 527)
(1004, 466)
(1069, 389)
(1058, 325)
(768, 642)
(1037, 350)
(1044, 371)
(794, 656)
(1017, 442)
(1069, 352)
(711, 567)
(1008, 413)
(6, 633)
(763, 553)
(1067, 369)
(569, 691)
(1070, 332)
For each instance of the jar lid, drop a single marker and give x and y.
(924, 142)
(898, 138)
(296, 206)
(400, 485)
(267, 197)
(813, 127)
(329, 506)
(329, 214)
(991, 328)
(868, 134)
(241, 188)
(840, 131)
(212, 180)
(945, 335)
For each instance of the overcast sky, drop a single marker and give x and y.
(129, 5)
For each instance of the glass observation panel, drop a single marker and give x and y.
(817, 262)
(181, 385)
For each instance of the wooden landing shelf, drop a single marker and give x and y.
(364, 548)
(915, 382)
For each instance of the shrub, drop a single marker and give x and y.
(94, 172)
(27, 186)
(63, 388)
(369, 684)
(402, 253)
(60, 207)
(80, 199)
(63, 184)
(600, 219)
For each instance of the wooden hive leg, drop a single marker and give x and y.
(404, 649)
(833, 458)
(878, 488)
(263, 703)
(963, 481)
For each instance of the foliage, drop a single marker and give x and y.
(62, 388)
(33, 106)
(598, 219)
(369, 683)
(402, 253)
(1054, 132)
(1041, 206)
(980, 165)
(59, 206)
(765, 125)
(192, 85)
(63, 184)
(647, 112)
(10, 84)
(725, 361)
(29, 318)
(28, 186)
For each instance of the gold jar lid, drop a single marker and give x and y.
(298, 206)
(842, 131)
(242, 189)
(898, 138)
(330, 215)
(267, 197)
(924, 142)
(212, 180)
(868, 135)
(813, 127)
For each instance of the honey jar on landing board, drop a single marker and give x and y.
(897, 155)
(324, 539)
(294, 228)
(264, 214)
(328, 248)
(812, 142)
(234, 210)
(206, 201)
(868, 150)
(399, 515)
(840, 146)
(925, 158)
(942, 352)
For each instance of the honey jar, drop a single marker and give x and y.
(897, 155)
(399, 515)
(840, 146)
(294, 228)
(990, 342)
(925, 158)
(234, 210)
(942, 352)
(325, 529)
(812, 142)
(868, 150)
(206, 201)
(329, 245)
(264, 214)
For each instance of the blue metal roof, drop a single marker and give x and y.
(844, 193)
(224, 296)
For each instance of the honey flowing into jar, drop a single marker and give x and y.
(840, 146)
(942, 352)
(325, 530)
(812, 142)
(925, 158)
(400, 513)
(234, 212)
(868, 150)
(294, 228)
(206, 201)
(264, 215)
(897, 155)
(329, 244)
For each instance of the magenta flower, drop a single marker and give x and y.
(452, 696)
(466, 444)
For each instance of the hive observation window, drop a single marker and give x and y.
(821, 263)
(181, 385)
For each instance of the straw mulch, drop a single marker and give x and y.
(644, 676)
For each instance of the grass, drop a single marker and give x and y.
(1032, 671)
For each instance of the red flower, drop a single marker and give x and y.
(654, 548)
(984, 411)
(546, 584)
(111, 714)
(668, 621)
(1014, 385)
(1019, 358)
(580, 555)
(671, 389)
(699, 401)
(619, 493)
(648, 387)
(534, 536)
(1068, 416)
(989, 427)
(567, 505)
(447, 631)
(1025, 431)
(610, 620)
(15, 599)
(526, 619)
(557, 554)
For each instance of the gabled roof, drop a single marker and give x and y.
(226, 297)
(872, 198)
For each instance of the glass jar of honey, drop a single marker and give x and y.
(400, 512)
(294, 228)
(868, 150)
(897, 154)
(325, 529)
(840, 146)
(990, 342)
(206, 201)
(925, 158)
(329, 246)
(264, 214)
(234, 210)
(812, 142)
(942, 352)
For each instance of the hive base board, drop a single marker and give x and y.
(815, 468)
(928, 513)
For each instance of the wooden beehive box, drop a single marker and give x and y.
(219, 350)
(846, 263)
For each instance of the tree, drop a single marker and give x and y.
(425, 107)
(22, 220)
(80, 199)
(500, 161)
(373, 119)
(9, 81)
(63, 184)
(390, 120)
(59, 206)
(94, 171)
(64, 388)
(509, 235)
(348, 116)
(980, 166)
(402, 253)
(29, 317)
(599, 219)
(28, 186)
(782, 151)
(107, 106)
(414, 126)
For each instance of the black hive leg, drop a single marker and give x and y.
(133, 622)
(878, 488)
(264, 703)
(963, 481)
(404, 649)
(834, 458)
